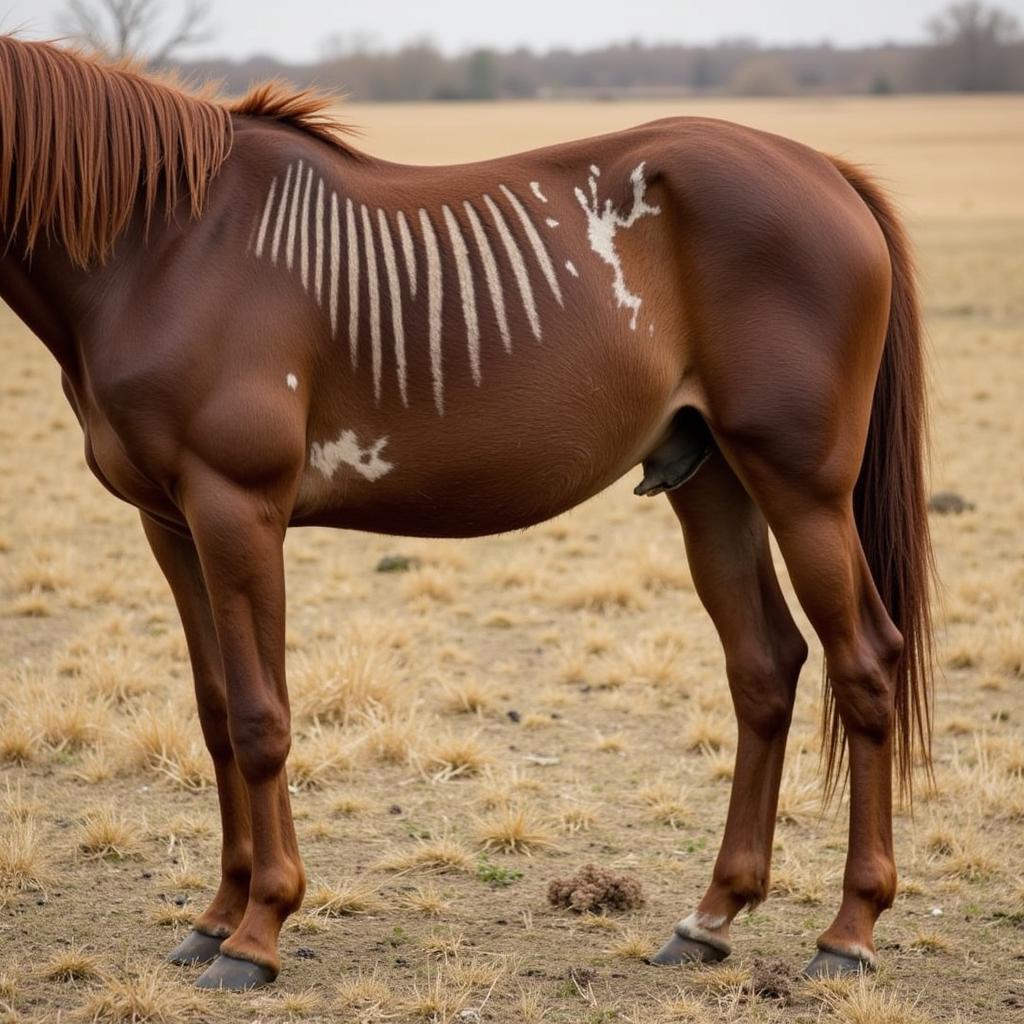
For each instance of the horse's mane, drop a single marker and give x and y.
(82, 139)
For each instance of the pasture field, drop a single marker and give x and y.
(509, 709)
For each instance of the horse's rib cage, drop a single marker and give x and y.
(480, 250)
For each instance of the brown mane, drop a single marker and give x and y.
(80, 139)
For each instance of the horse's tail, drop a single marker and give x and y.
(890, 500)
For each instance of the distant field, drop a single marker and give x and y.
(588, 628)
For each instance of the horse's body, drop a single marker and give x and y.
(466, 350)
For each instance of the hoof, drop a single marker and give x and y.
(828, 964)
(681, 950)
(234, 975)
(196, 948)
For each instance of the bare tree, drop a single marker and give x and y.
(132, 28)
(973, 49)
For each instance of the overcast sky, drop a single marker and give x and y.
(297, 30)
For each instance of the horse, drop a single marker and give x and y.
(260, 326)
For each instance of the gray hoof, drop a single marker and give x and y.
(681, 950)
(827, 964)
(195, 948)
(234, 975)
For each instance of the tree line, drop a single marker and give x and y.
(972, 47)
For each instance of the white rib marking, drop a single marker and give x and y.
(551, 222)
(465, 272)
(280, 216)
(394, 290)
(293, 218)
(335, 254)
(353, 283)
(536, 241)
(518, 266)
(571, 267)
(319, 279)
(374, 287)
(595, 170)
(304, 231)
(535, 188)
(265, 221)
(435, 298)
(408, 250)
(491, 273)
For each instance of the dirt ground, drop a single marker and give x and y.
(559, 691)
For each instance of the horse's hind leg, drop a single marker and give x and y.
(177, 558)
(727, 547)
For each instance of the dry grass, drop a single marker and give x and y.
(107, 833)
(515, 830)
(863, 1002)
(146, 995)
(435, 855)
(347, 899)
(72, 964)
(25, 856)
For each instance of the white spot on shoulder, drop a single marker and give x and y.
(329, 456)
(551, 222)
(571, 267)
(604, 221)
(292, 381)
(535, 188)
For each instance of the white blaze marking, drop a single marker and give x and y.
(491, 273)
(353, 283)
(394, 290)
(319, 279)
(518, 266)
(304, 231)
(265, 222)
(293, 218)
(435, 296)
(465, 272)
(571, 267)
(335, 255)
(329, 456)
(280, 215)
(535, 188)
(408, 250)
(602, 224)
(292, 381)
(551, 222)
(374, 285)
(536, 241)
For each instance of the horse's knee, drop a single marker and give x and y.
(862, 683)
(260, 738)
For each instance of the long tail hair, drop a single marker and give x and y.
(890, 501)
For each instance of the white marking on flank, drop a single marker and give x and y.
(394, 290)
(353, 282)
(280, 215)
(435, 298)
(595, 170)
(491, 273)
(551, 222)
(304, 231)
(535, 189)
(292, 381)
(265, 221)
(536, 241)
(604, 221)
(571, 267)
(293, 217)
(408, 250)
(335, 259)
(515, 257)
(465, 273)
(328, 457)
(319, 272)
(374, 286)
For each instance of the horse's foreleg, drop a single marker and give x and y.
(177, 558)
(727, 547)
(239, 539)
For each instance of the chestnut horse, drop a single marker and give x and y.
(259, 326)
